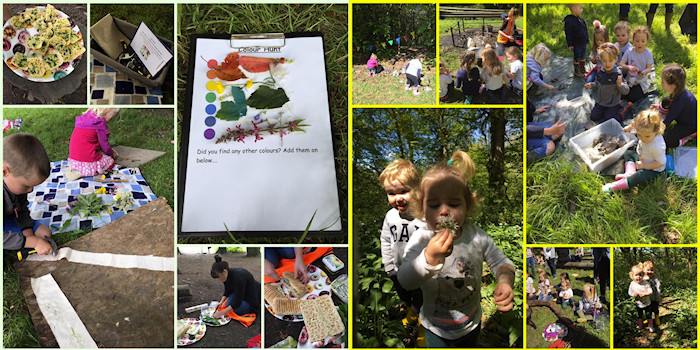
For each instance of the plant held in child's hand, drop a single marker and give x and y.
(439, 247)
(449, 223)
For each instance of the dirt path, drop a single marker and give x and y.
(195, 270)
(667, 307)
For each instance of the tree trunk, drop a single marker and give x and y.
(251, 252)
(550, 304)
(399, 140)
(496, 166)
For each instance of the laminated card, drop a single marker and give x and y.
(257, 154)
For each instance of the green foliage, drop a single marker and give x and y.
(565, 204)
(379, 23)
(667, 47)
(87, 205)
(231, 111)
(18, 330)
(378, 312)
(266, 98)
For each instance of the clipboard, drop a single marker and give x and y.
(257, 156)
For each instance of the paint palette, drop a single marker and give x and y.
(304, 342)
(223, 320)
(319, 284)
(194, 333)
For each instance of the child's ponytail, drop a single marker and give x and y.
(541, 54)
(650, 119)
(674, 74)
(463, 164)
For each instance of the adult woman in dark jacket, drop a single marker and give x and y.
(241, 289)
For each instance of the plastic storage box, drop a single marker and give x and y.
(585, 139)
(129, 30)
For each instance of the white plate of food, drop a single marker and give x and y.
(193, 333)
(42, 44)
(319, 284)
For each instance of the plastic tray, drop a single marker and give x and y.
(585, 139)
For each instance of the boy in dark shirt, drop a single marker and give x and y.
(25, 165)
(577, 38)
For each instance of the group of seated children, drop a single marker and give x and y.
(624, 71)
(586, 309)
(435, 255)
(645, 288)
(493, 80)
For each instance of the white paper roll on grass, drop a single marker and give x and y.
(122, 261)
(67, 328)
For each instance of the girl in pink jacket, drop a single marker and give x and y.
(372, 65)
(90, 153)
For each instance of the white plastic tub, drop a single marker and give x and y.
(585, 139)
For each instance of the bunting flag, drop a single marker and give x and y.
(404, 38)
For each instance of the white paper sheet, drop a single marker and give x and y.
(67, 328)
(270, 189)
(150, 50)
(122, 261)
(686, 162)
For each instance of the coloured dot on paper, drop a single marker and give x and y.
(210, 121)
(210, 97)
(210, 109)
(209, 134)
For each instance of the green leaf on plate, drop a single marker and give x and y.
(267, 98)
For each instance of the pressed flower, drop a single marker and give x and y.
(249, 84)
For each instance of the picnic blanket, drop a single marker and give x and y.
(573, 103)
(48, 203)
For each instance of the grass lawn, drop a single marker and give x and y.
(385, 89)
(158, 18)
(566, 205)
(144, 128)
(542, 316)
(545, 25)
(329, 19)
